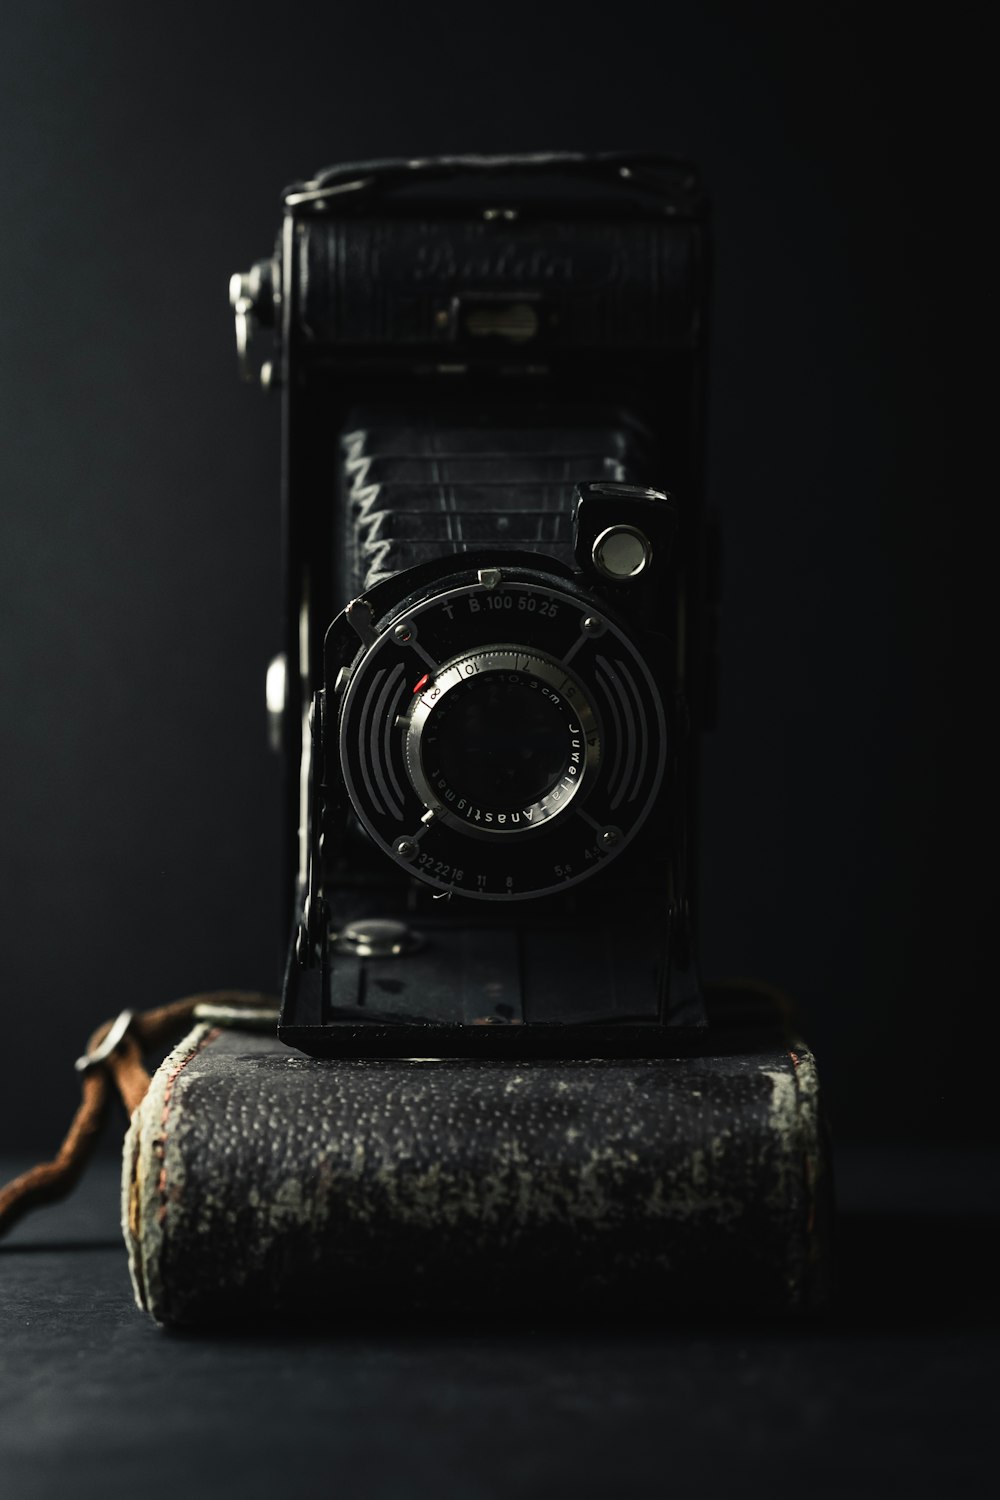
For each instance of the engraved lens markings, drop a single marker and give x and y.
(500, 741)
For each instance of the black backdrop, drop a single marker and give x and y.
(141, 157)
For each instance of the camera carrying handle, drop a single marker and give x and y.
(656, 180)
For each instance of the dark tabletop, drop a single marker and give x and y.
(894, 1391)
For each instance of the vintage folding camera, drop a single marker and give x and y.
(491, 372)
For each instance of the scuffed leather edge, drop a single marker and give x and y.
(820, 1264)
(797, 1119)
(143, 1188)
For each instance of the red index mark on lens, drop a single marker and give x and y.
(422, 683)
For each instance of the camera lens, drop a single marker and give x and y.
(497, 740)
(500, 741)
(511, 768)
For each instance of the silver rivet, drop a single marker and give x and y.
(608, 837)
(276, 685)
(404, 632)
(621, 552)
(489, 577)
(239, 288)
(406, 848)
(593, 625)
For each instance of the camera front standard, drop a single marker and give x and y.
(497, 651)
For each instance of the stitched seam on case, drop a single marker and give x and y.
(809, 1166)
(161, 1145)
(168, 1094)
(808, 1163)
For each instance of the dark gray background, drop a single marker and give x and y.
(141, 158)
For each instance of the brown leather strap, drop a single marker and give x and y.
(123, 1067)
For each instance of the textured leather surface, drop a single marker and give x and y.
(603, 284)
(259, 1181)
(414, 493)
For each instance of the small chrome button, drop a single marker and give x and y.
(377, 937)
(621, 552)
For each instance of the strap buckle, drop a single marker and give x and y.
(119, 1027)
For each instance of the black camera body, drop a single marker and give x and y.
(498, 641)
